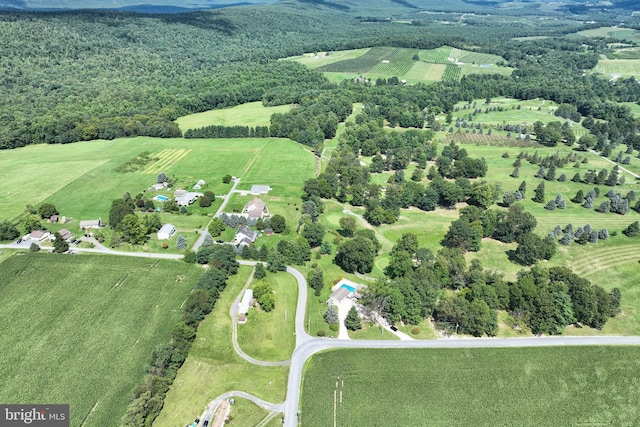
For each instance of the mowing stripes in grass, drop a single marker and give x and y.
(166, 159)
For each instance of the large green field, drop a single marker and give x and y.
(412, 65)
(250, 114)
(81, 179)
(568, 386)
(79, 329)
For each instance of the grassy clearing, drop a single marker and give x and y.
(213, 367)
(271, 336)
(250, 114)
(245, 413)
(370, 331)
(576, 386)
(91, 326)
(167, 158)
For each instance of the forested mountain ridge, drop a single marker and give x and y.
(72, 76)
(158, 6)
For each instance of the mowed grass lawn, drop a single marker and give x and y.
(271, 336)
(553, 386)
(251, 114)
(79, 329)
(213, 367)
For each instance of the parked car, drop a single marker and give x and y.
(393, 328)
(19, 241)
(206, 423)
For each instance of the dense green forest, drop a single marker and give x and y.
(74, 76)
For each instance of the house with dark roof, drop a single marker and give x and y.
(244, 236)
(256, 209)
(66, 235)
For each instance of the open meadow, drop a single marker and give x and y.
(213, 367)
(251, 114)
(79, 329)
(456, 387)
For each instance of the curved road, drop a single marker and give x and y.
(233, 311)
(306, 346)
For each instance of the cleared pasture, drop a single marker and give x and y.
(362, 64)
(92, 324)
(480, 387)
(271, 336)
(213, 367)
(80, 179)
(250, 114)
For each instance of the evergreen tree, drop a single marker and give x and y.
(353, 322)
(331, 315)
(181, 243)
(579, 197)
(259, 272)
(59, 244)
(539, 193)
(523, 188)
(515, 173)
(632, 230)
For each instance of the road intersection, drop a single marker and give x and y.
(307, 346)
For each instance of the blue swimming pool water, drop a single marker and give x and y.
(162, 198)
(349, 288)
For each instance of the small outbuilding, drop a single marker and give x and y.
(245, 303)
(91, 223)
(166, 232)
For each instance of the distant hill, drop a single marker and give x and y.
(147, 6)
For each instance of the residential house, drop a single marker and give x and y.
(39, 235)
(166, 232)
(186, 198)
(256, 209)
(66, 235)
(244, 236)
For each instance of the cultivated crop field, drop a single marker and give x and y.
(619, 67)
(250, 114)
(450, 387)
(79, 329)
(385, 62)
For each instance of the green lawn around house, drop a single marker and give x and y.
(271, 336)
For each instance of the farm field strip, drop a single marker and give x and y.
(166, 159)
(450, 73)
(577, 385)
(623, 67)
(363, 63)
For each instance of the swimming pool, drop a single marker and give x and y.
(161, 198)
(347, 287)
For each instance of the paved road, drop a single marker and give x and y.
(225, 200)
(211, 408)
(622, 168)
(306, 346)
